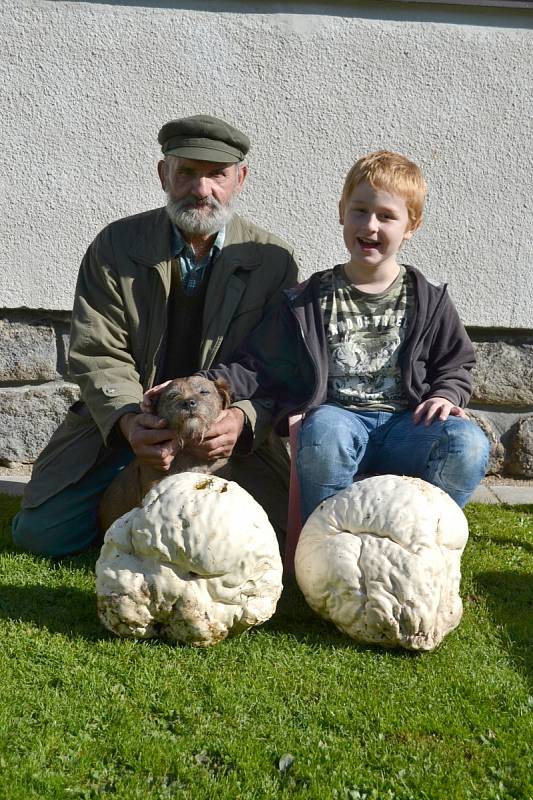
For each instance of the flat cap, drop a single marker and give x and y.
(204, 138)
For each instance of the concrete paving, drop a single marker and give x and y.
(489, 493)
(13, 485)
(512, 494)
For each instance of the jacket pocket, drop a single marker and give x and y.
(78, 417)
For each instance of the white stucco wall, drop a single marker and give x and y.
(85, 88)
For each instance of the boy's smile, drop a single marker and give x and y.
(375, 224)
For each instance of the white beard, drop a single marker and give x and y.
(198, 218)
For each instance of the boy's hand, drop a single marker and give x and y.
(436, 408)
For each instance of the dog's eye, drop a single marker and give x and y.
(205, 391)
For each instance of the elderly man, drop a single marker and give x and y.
(161, 295)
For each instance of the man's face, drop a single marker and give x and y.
(200, 193)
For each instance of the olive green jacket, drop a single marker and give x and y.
(119, 326)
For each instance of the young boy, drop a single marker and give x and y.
(372, 352)
(399, 359)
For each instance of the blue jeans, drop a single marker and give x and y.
(334, 445)
(67, 523)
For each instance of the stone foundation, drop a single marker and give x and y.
(35, 391)
(502, 402)
(34, 388)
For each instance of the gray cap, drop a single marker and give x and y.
(203, 138)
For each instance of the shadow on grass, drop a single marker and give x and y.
(64, 609)
(84, 562)
(510, 599)
(295, 618)
(71, 612)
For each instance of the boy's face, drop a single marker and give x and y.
(375, 224)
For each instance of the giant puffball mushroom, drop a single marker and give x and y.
(381, 560)
(198, 562)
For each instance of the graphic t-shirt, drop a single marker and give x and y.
(364, 333)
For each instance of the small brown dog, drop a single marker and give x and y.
(190, 406)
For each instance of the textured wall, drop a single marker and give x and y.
(86, 87)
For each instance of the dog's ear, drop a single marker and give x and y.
(224, 390)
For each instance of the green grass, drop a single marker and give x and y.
(291, 710)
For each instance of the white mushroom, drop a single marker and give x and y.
(381, 560)
(198, 562)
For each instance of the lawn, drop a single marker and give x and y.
(292, 709)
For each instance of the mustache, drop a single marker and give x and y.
(191, 202)
(196, 216)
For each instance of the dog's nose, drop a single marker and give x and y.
(190, 404)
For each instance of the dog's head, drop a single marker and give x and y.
(191, 405)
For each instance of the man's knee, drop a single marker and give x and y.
(27, 531)
(66, 523)
(34, 530)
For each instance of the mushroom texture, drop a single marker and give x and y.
(197, 562)
(381, 560)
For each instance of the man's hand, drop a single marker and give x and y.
(436, 408)
(221, 437)
(149, 439)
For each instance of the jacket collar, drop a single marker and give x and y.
(239, 251)
(151, 239)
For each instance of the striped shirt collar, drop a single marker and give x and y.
(179, 244)
(193, 270)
